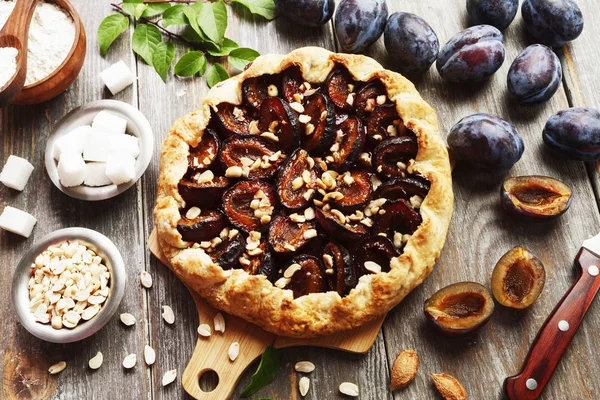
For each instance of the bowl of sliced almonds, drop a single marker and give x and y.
(68, 285)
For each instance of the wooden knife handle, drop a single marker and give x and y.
(556, 333)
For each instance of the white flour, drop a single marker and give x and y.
(51, 36)
(8, 64)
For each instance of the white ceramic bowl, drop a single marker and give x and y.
(137, 125)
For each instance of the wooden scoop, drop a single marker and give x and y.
(16, 34)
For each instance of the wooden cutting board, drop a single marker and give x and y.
(212, 353)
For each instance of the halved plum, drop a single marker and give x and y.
(535, 197)
(309, 278)
(403, 188)
(356, 188)
(340, 274)
(384, 122)
(202, 194)
(399, 217)
(228, 253)
(378, 250)
(205, 226)
(231, 120)
(340, 88)
(368, 96)
(203, 155)
(391, 157)
(278, 118)
(319, 132)
(330, 220)
(291, 185)
(287, 236)
(256, 90)
(348, 144)
(241, 150)
(238, 205)
(291, 83)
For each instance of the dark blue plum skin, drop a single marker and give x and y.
(498, 13)
(359, 23)
(552, 22)
(574, 133)
(411, 42)
(310, 13)
(472, 55)
(535, 75)
(486, 141)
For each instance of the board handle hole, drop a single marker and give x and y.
(208, 381)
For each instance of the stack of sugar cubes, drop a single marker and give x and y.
(97, 155)
(15, 174)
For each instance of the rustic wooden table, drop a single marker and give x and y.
(480, 233)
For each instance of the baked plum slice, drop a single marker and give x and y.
(228, 253)
(201, 193)
(205, 226)
(287, 236)
(261, 263)
(535, 197)
(256, 90)
(331, 221)
(278, 118)
(319, 132)
(403, 188)
(340, 88)
(356, 188)
(390, 157)
(340, 274)
(374, 255)
(254, 152)
(349, 143)
(383, 123)
(309, 278)
(460, 308)
(370, 97)
(231, 120)
(398, 216)
(203, 155)
(296, 178)
(250, 204)
(292, 84)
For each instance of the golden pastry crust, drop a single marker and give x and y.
(253, 297)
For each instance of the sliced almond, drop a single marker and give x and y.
(57, 368)
(96, 361)
(169, 377)
(90, 312)
(291, 270)
(304, 366)
(192, 213)
(234, 351)
(372, 267)
(304, 385)
(168, 315)
(349, 389)
(129, 361)
(219, 323)
(404, 369)
(127, 319)
(449, 387)
(204, 330)
(149, 355)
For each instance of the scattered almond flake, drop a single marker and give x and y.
(392, 131)
(149, 355)
(206, 176)
(401, 166)
(304, 385)
(254, 127)
(340, 215)
(329, 271)
(335, 147)
(282, 282)
(272, 91)
(238, 113)
(169, 377)
(350, 99)
(96, 361)
(375, 182)
(270, 136)
(309, 214)
(298, 97)
(234, 351)
(381, 212)
(348, 179)
(289, 247)
(308, 194)
(130, 361)
(307, 86)
(304, 366)
(328, 259)
(296, 106)
(349, 389)
(168, 315)
(297, 218)
(245, 172)
(309, 92)
(145, 277)
(219, 323)
(323, 115)
(265, 219)
(297, 183)
(304, 119)
(318, 203)
(416, 201)
(398, 240)
(57, 368)
(257, 251)
(372, 267)
(291, 270)
(306, 177)
(381, 99)
(233, 172)
(204, 330)
(405, 238)
(309, 234)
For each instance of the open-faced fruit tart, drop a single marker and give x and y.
(309, 194)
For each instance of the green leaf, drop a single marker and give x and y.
(110, 28)
(241, 57)
(226, 48)
(216, 74)
(145, 39)
(192, 17)
(191, 36)
(134, 9)
(174, 16)
(212, 18)
(264, 8)
(192, 63)
(163, 57)
(155, 9)
(265, 373)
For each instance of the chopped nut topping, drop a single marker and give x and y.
(270, 136)
(238, 113)
(296, 106)
(307, 195)
(233, 172)
(254, 127)
(309, 214)
(272, 91)
(350, 99)
(303, 118)
(291, 270)
(328, 259)
(282, 282)
(298, 97)
(289, 247)
(310, 233)
(306, 177)
(372, 267)
(392, 130)
(350, 87)
(309, 129)
(206, 176)
(297, 183)
(381, 99)
(339, 215)
(297, 218)
(416, 201)
(193, 212)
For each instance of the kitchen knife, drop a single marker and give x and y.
(560, 327)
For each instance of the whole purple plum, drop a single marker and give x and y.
(411, 42)
(535, 75)
(359, 23)
(552, 22)
(574, 133)
(311, 13)
(486, 141)
(472, 55)
(498, 13)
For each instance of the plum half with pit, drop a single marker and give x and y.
(535, 75)
(310, 13)
(349, 143)
(204, 154)
(231, 119)
(356, 188)
(309, 278)
(486, 141)
(518, 278)
(287, 236)
(259, 155)
(552, 22)
(296, 178)
(384, 122)
(535, 197)
(403, 188)
(206, 226)
(391, 157)
(340, 274)
(278, 118)
(247, 204)
(375, 254)
(574, 133)
(228, 253)
(319, 131)
(460, 308)
(498, 13)
(359, 23)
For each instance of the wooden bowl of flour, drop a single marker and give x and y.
(58, 81)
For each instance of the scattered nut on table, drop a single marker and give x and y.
(404, 369)
(449, 387)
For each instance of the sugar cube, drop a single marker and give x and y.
(121, 168)
(16, 172)
(98, 147)
(95, 174)
(108, 122)
(126, 143)
(117, 77)
(71, 169)
(73, 141)
(17, 221)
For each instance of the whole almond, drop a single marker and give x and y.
(449, 387)
(404, 369)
